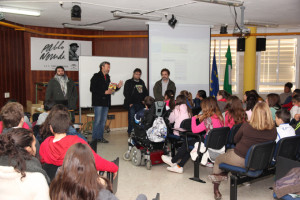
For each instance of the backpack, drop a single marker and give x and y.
(158, 131)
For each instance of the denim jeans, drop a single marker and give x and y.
(131, 112)
(99, 121)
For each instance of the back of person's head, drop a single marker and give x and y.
(169, 94)
(251, 101)
(60, 121)
(188, 96)
(48, 105)
(235, 109)
(296, 98)
(18, 145)
(149, 101)
(296, 91)
(210, 107)
(202, 94)
(288, 85)
(284, 115)
(273, 100)
(224, 94)
(77, 178)
(181, 99)
(12, 114)
(261, 118)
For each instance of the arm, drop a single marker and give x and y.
(199, 128)
(97, 87)
(239, 134)
(172, 117)
(157, 92)
(126, 92)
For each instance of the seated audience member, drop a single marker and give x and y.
(297, 127)
(235, 113)
(47, 107)
(222, 97)
(260, 129)
(169, 99)
(45, 131)
(144, 117)
(296, 106)
(78, 178)
(211, 118)
(273, 101)
(284, 129)
(250, 103)
(288, 103)
(54, 148)
(21, 174)
(181, 112)
(12, 115)
(201, 94)
(287, 92)
(246, 94)
(189, 98)
(26, 118)
(259, 98)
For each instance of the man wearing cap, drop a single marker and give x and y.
(72, 52)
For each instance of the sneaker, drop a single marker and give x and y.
(168, 160)
(102, 140)
(209, 164)
(175, 169)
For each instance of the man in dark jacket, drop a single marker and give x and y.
(101, 99)
(62, 90)
(162, 85)
(135, 92)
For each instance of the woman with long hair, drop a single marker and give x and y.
(21, 173)
(78, 178)
(235, 113)
(169, 99)
(189, 98)
(261, 128)
(273, 100)
(222, 97)
(211, 118)
(181, 112)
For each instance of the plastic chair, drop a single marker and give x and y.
(232, 133)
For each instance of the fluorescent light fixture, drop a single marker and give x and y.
(235, 3)
(260, 24)
(137, 16)
(99, 28)
(20, 11)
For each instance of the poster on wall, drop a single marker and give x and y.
(47, 54)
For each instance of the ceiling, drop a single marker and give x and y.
(284, 13)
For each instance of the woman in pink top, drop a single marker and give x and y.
(211, 118)
(235, 113)
(180, 113)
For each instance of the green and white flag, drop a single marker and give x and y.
(227, 78)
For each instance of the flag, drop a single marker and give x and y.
(214, 80)
(227, 78)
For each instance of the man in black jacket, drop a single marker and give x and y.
(101, 99)
(135, 92)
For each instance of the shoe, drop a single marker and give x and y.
(209, 164)
(176, 169)
(168, 160)
(102, 140)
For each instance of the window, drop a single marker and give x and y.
(277, 65)
(221, 49)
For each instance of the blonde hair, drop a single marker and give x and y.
(261, 118)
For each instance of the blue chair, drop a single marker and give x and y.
(288, 147)
(258, 158)
(232, 133)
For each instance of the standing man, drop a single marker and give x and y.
(135, 92)
(162, 85)
(62, 90)
(101, 99)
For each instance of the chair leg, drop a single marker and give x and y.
(233, 187)
(197, 170)
(172, 149)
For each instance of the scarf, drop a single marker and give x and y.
(63, 80)
(32, 165)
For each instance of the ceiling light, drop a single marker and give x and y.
(136, 16)
(99, 28)
(172, 22)
(260, 24)
(20, 11)
(235, 3)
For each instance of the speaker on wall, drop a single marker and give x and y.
(260, 44)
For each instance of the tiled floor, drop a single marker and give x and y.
(134, 180)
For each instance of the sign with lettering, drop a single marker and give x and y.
(47, 54)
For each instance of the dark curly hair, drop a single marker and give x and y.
(12, 144)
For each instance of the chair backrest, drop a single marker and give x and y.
(35, 117)
(159, 108)
(186, 124)
(50, 170)
(288, 147)
(233, 132)
(217, 138)
(93, 144)
(259, 156)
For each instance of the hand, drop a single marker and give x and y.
(109, 91)
(115, 175)
(120, 84)
(130, 105)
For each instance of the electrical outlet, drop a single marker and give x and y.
(6, 95)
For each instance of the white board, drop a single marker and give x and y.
(120, 69)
